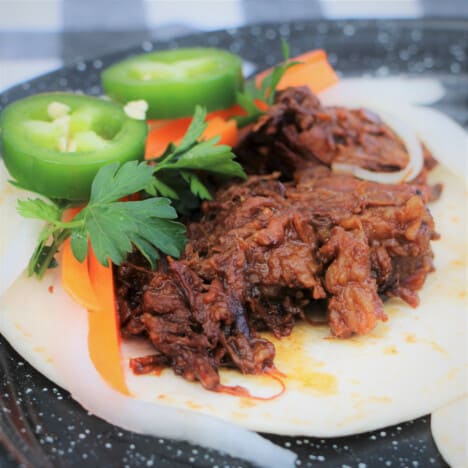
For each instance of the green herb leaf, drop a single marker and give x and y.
(285, 49)
(196, 185)
(147, 250)
(116, 181)
(159, 187)
(195, 130)
(39, 209)
(79, 244)
(113, 228)
(43, 258)
(186, 202)
(266, 92)
(209, 157)
(46, 255)
(247, 101)
(193, 155)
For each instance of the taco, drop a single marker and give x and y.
(375, 369)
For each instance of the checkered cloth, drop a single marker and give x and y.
(39, 35)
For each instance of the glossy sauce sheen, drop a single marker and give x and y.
(271, 251)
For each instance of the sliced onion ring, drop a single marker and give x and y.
(352, 95)
(412, 144)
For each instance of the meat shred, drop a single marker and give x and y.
(292, 240)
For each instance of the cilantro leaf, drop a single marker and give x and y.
(159, 187)
(247, 100)
(79, 243)
(209, 157)
(191, 157)
(116, 181)
(195, 130)
(266, 92)
(39, 209)
(113, 229)
(190, 138)
(196, 185)
(285, 50)
(186, 202)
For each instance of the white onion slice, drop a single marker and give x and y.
(394, 89)
(149, 417)
(449, 426)
(351, 95)
(412, 144)
(447, 140)
(18, 235)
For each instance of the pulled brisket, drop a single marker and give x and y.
(300, 133)
(292, 240)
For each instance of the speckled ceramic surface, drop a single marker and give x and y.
(41, 426)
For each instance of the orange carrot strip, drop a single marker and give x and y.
(152, 124)
(312, 56)
(316, 55)
(75, 276)
(317, 76)
(226, 129)
(233, 111)
(165, 132)
(103, 334)
(307, 57)
(75, 279)
(261, 105)
(315, 72)
(161, 136)
(70, 213)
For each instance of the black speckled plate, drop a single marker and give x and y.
(41, 426)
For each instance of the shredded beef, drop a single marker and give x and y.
(283, 245)
(298, 132)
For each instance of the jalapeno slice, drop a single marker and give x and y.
(54, 143)
(173, 82)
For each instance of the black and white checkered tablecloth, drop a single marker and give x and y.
(39, 35)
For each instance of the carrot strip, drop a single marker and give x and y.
(75, 279)
(70, 213)
(103, 334)
(315, 72)
(311, 56)
(317, 76)
(261, 105)
(233, 111)
(75, 276)
(159, 138)
(226, 129)
(164, 132)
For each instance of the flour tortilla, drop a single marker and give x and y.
(18, 236)
(405, 368)
(449, 426)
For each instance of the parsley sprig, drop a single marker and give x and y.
(192, 156)
(265, 94)
(114, 227)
